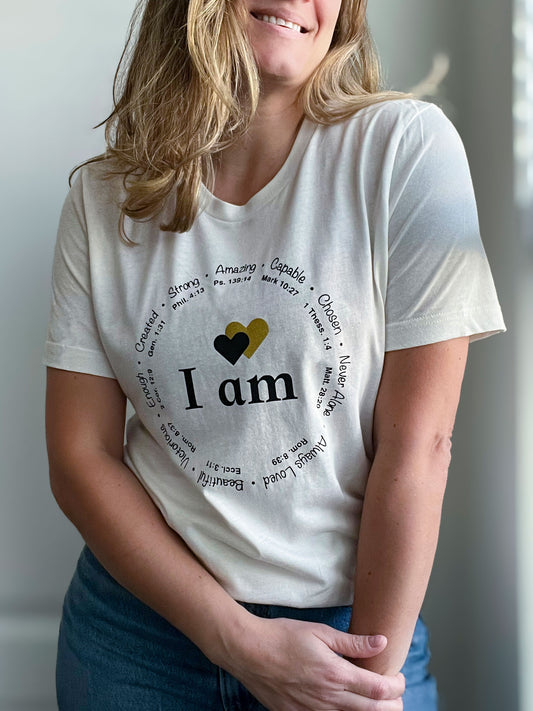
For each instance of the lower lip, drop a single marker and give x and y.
(284, 31)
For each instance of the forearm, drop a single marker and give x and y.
(127, 533)
(396, 548)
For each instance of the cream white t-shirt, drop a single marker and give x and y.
(251, 347)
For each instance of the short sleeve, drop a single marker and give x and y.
(73, 341)
(439, 283)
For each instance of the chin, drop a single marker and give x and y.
(280, 77)
(281, 72)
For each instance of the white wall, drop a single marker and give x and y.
(471, 604)
(58, 59)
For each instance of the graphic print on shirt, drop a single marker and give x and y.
(246, 357)
(237, 341)
(241, 340)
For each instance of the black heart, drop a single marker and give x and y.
(232, 348)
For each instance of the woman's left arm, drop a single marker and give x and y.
(413, 422)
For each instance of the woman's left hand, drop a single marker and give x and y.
(292, 665)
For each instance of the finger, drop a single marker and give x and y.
(371, 684)
(351, 702)
(356, 646)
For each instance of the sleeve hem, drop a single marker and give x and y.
(442, 327)
(79, 360)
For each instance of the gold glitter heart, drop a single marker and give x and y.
(257, 331)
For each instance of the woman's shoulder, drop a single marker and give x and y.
(96, 180)
(91, 208)
(382, 128)
(399, 113)
(384, 120)
(95, 189)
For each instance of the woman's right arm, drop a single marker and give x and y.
(85, 417)
(288, 665)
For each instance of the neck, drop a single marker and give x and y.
(247, 166)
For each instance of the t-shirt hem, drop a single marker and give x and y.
(79, 360)
(442, 327)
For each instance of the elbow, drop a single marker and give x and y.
(59, 487)
(56, 468)
(438, 455)
(441, 450)
(440, 466)
(71, 489)
(418, 459)
(69, 476)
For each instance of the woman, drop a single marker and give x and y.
(289, 311)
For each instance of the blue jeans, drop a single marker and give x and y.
(117, 654)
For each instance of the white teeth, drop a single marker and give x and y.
(279, 21)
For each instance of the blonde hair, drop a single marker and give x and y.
(191, 89)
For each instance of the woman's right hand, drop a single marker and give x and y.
(291, 665)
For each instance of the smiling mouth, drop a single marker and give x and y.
(272, 20)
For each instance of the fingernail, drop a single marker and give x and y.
(376, 640)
